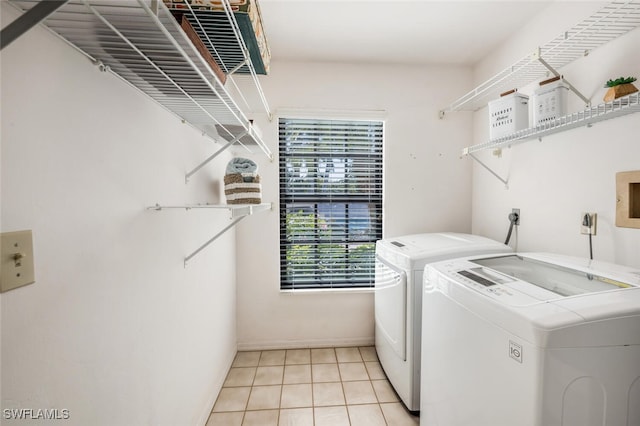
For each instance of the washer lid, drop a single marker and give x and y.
(559, 278)
(415, 251)
(550, 301)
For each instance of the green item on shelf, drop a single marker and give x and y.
(619, 81)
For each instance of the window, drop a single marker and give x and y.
(330, 202)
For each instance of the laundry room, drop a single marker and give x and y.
(220, 212)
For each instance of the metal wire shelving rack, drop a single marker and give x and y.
(606, 111)
(142, 43)
(612, 21)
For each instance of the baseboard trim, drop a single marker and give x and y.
(303, 344)
(217, 387)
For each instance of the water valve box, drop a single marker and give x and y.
(508, 114)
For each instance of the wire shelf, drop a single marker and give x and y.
(612, 21)
(237, 210)
(618, 107)
(141, 42)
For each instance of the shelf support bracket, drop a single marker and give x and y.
(505, 181)
(215, 237)
(214, 155)
(29, 19)
(237, 67)
(155, 7)
(537, 55)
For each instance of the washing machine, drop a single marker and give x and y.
(400, 263)
(530, 340)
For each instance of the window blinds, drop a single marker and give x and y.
(330, 202)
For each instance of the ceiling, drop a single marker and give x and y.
(392, 31)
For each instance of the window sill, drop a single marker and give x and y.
(328, 291)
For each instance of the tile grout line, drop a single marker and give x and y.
(374, 391)
(244, 413)
(310, 363)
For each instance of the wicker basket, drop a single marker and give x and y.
(242, 190)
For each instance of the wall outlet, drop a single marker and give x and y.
(516, 211)
(586, 230)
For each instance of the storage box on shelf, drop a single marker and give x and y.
(613, 20)
(549, 101)
(617, 108)
(202, 49)
(209, 19)
(508, 114)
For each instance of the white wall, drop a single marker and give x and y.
(115, 329)
(568, 173)
(427, 188)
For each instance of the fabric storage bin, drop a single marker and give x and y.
(202, 49)
(216, 26)
(549, 101)
(508, 114)
(242, 182)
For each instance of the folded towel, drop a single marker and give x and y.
(247, 168)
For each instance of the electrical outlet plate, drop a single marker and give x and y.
(594, 221)
(16, 254)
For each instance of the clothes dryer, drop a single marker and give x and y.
(400, 263)
(530, 340)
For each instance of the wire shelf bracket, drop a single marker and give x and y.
(214, 155)
(538, 57)
(490, 170)
(238, 212)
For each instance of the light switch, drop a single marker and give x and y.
(16, 255)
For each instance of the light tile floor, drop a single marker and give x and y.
(309, 387)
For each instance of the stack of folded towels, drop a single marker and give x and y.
(242, 182)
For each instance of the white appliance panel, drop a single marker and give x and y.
(391, 287)
(474, 350)
(531, 353)
(398, 300)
